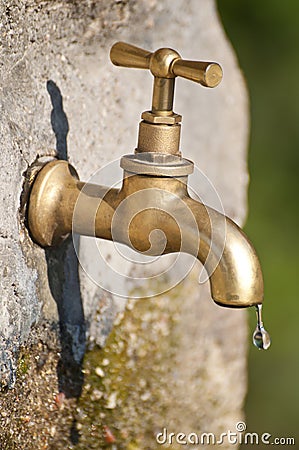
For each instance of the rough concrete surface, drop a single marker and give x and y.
(60, 96)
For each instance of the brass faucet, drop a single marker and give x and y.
(154, 193)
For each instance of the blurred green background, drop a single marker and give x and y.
(265, 35)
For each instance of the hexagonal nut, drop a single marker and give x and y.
(151, 117)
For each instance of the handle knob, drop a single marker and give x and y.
(166, 63)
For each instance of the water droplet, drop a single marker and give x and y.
(261, 337)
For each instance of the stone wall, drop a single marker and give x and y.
(177, 360)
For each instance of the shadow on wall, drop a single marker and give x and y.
(63, 276)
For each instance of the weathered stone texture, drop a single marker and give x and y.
(60, 96)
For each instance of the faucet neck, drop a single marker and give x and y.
(163, 93)
(160, 129)
(156, 137)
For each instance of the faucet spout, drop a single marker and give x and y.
(231, 263)
(60, 203)
(189, 226)
(146, 204)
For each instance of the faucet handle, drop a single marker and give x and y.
(166, 63)
(208, 74)
(159, 130)
(127, 55)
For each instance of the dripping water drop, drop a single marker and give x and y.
(261, 337)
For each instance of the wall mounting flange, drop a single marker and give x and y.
(49, 213)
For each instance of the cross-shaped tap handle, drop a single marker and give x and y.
(166, 63)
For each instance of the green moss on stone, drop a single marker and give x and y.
(23, 363)
(128, 383)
